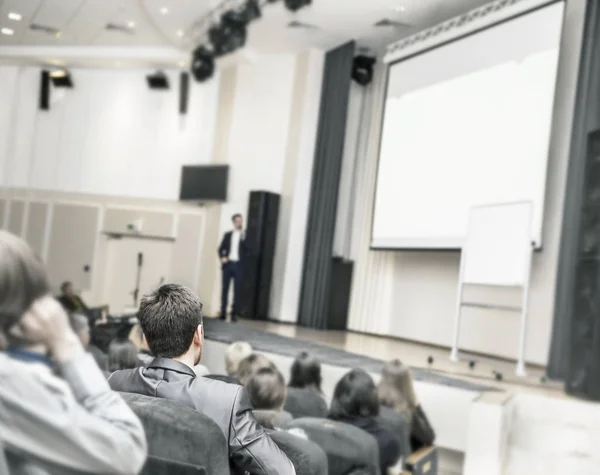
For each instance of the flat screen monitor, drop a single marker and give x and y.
(204, 183)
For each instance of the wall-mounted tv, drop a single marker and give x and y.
(204, 183)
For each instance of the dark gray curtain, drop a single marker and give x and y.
(329, 150)
(586, 119)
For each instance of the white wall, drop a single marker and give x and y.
(270, 133)
(415, 292)
(110, 135)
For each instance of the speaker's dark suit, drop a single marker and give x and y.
(232, 270)
(250, 448)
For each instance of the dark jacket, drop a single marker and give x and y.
(305, 402)
(225, 246)
(250, 448)
(421, 432)
(389, 444)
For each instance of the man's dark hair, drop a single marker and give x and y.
(236, 215)
(355, 395)
(169, 317)
(23, 279)
(305, 372)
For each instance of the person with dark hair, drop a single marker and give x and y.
(396, 391)
(355, 402)
(70, 300)
(122, 354)
(51, 424)
(252, 364)
(305, 398)
(81, 327)
(171, 321)
(232, 250)
(306, 372)
(267, 391)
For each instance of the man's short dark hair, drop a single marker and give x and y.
(236, 215)
(169, 317)
(266, 389)
(355, 395)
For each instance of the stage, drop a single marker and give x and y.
(483, 425)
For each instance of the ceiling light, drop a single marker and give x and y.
(131, 24)
(180, 33)
(182, 63)
(6, 31)
(15, 16)
(399, 8)
(58, 34)
(203, 63)
(164, 10)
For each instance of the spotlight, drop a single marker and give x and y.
(295, 5)
(251, 11)
(430, 360)
(230, 34)
(472, 364)
(158, 80)
(362, 69)
(498, 375)
(61, 78)
(203, 64)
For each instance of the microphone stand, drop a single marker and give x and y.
(138, 277)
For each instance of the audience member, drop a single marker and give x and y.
(355, 402)
(70, 300)
(122, 354)
(234, 354)
(396, 390)
(266, 389)
(252, 364)
(171, 320)
(81, 327)
(50, 424)
(305, 398)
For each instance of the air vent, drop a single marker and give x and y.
(387, 23)
(301, 26)
(119, 28)
(44, 29)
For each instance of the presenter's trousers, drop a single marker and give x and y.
(231, 271)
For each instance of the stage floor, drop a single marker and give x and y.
(416, 356)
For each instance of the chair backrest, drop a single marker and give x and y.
(160, 466)
(349, 449)
(308, 458)
(178, 433)
(305, 403)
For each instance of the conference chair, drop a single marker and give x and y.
(349, 449)
(304, 402)
(423, 461)
(306, 456)
(160, 466)
(179, 434)
(399, 426)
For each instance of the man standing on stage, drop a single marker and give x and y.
(232, 250)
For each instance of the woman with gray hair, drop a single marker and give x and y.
(49, 424)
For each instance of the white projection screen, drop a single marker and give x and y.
(467, 124)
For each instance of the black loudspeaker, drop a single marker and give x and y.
(339, 294)
(261, 236)
(583, 378)
(184, 92)
(45, 90)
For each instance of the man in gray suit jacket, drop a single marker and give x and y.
(171, 320)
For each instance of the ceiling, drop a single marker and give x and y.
(160, 33)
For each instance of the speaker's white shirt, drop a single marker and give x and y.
(234, 249)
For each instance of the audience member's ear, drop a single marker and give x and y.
(199, 335)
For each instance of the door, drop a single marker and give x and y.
(122, 269)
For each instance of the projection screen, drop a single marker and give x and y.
(466, 124)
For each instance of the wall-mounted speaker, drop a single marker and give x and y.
(184, 92)
(45, 90)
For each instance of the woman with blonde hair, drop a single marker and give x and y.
(396, 391)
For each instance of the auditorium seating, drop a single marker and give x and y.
(304, 402)
(176, 433)
(308, 458)
(160, 466)
(349, 450)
